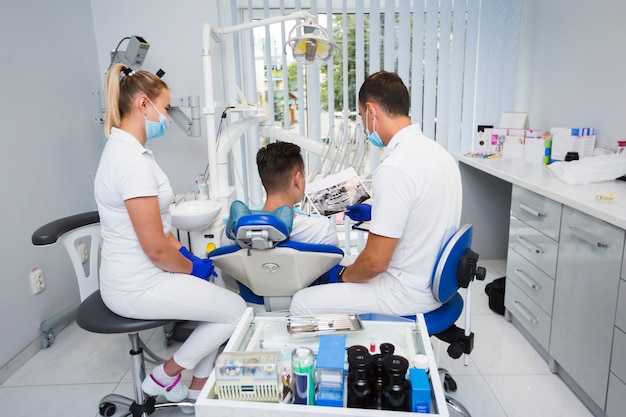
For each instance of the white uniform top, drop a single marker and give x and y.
(416, 198)
(128, 170)
(306, 229)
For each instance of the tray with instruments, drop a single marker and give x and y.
(304, 326)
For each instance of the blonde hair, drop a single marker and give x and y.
(121, 85)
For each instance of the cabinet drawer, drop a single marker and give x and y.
(536, 211)
(620, 315)
(536, 247)
(530, 279)
(618, 355)
(528, 313)
(616, 398)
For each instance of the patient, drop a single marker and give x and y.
(281, 169)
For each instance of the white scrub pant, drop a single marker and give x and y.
(363, 297)
(185, 297)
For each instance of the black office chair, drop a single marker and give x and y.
(81, 236)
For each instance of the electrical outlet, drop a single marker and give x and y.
(83, 253)
(37, 281)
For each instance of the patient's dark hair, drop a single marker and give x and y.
(388, 91)
(277, 164)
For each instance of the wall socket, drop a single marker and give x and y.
(37, 281)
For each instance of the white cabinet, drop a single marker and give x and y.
(585, 300)
(531, 262)
(616, 396)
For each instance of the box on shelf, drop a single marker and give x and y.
(564, 140)
(248, 376)
(330, 370)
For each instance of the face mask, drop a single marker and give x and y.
(156, 129)
(373, 137)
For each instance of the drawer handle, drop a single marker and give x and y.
(590, 238)
(531, 210)
(530, 245)
(524, 312)
(526, 279)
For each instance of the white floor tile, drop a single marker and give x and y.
(53, 400)
(477, 397)
(536, 395)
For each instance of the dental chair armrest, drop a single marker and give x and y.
(51, 232)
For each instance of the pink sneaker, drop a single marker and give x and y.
(175, 392)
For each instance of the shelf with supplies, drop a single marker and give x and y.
(263, 335)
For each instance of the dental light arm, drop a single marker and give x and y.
(190, 126)
(316, 50)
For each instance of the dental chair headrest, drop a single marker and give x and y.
(257, 228)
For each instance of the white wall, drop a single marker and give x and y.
(573, 66)
(174, 32)
(50, 144)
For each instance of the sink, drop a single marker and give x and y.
(194, 214)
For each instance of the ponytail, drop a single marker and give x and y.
(121, 85)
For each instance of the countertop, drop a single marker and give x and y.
(538, 178)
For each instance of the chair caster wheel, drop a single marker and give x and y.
(107, 409)
(449, 384)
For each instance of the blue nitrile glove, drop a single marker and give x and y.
(183, 250)
(203, 268)
(360, 212)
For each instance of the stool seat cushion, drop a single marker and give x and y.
(444, 317)
(94, 316)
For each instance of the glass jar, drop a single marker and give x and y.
(397, 389)
(359, 385)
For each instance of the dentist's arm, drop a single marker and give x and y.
(373, 259)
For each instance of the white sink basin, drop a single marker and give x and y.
(194, 214)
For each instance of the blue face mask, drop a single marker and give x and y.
(373, 137)
(156, 129)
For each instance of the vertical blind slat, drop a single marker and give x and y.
(404, 40)
(430, 68)
(443, 73)
(389, 39)
(417, 63)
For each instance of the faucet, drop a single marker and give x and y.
(184, 197)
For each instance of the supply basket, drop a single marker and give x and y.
(248, 376)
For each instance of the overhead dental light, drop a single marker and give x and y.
(313, 46)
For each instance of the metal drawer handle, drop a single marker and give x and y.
(531, 210)
(526, 279)
(524, 312)
(530, 245)
(590, 238)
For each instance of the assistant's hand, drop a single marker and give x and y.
(359, 212)
(203, 268)
(183, 250)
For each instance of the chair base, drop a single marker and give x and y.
(114, 405)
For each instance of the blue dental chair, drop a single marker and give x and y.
(268, 267)
(456, 268)
(80, 234)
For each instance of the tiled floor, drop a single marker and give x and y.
(505, 377)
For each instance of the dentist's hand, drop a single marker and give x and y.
(359, 212)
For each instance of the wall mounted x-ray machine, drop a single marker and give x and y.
(133, 57)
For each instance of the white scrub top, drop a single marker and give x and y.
(416, 198)
(127, 170)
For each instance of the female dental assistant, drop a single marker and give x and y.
(145, 272)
